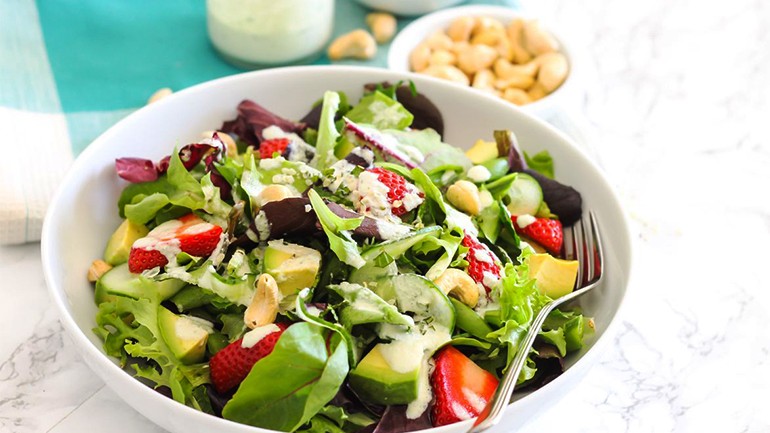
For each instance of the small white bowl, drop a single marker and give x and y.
(413, 34)
(408, 8)
(84, 213)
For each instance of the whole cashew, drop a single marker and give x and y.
(460, 29)
(538, 41)
(476, 58)
(515, 35)
(553, 70)
(273, 193)
(442, 57)
(464, 195)
(447, 72)
(457, 284)
(358, 44)
(439, 41)
(419, 59)
(263, 308)
(383, 26)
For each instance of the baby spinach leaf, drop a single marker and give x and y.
(287, 388)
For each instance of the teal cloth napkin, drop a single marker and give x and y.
(69, 69)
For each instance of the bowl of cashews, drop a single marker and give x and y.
(493, 49)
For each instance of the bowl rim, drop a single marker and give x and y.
(101, 362)
(409, 37)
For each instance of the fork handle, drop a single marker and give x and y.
(496, 406)
(493, 411)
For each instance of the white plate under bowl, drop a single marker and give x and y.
(83, 213)
(417, 31)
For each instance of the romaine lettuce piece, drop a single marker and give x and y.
(380, 111)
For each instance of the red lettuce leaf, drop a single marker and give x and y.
(253, 118)
(136, 170)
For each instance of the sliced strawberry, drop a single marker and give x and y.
(461, 389)
(483, 266)
(544, 231)
(233, 363)
(189, 234)
(269, 147)
(140, 259)
(398, 189)
(198, 237)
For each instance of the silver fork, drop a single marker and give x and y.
(586, 247)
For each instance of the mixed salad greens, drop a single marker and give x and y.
(346, 272)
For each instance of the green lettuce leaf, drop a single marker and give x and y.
(364, 306)
(337, 229)
(380, 111)
(541, 162)
(327, 132)
(435, 152)
(287, 388)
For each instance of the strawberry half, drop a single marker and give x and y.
(233, 363)
(546, 232)
(189, 234)
(461, 389)
(483, 266)
(269, 147)
(398, 189)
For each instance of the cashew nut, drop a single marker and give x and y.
(439, 41)
(457, 284)
(484, 80)
(515, 35)
(464, 195)
(263, 308)
(553, 70)
(504, 69)
(447, 72)
(517, 96)
(536, 40)
(159, 94)
(536, 92)
(460, 29)
(487, 25)
(488, 37)
(358, 44)
(442, 57)
(383, 26)
(476, 58)
(419, 59)
(97, 269)
(517, 81)
(273, 193)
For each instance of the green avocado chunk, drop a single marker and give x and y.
(375, 381)
(293, 266)
(119, 245)
(119, 281)
(185, 336)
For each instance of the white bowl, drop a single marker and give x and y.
(413, 34)
(83, 213)
(408, 8)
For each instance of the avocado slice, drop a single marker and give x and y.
(119, 245)
(186, 336)
(376, 381)
(293, 266)
(119, 281)
(555, 277)
(482, 151)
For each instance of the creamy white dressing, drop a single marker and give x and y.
(455, 218)
(490, 280)
(524, 220)
(300, 147)
(251, 338)
(341, 176)
(262, 224)
(389, 230)
(483, 255)
(371, 196)
(478, 174)
(269, 32)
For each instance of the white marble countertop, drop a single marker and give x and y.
(677, 112)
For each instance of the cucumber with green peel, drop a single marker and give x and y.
(524, 195)
(416, 294)
(119, 281)
(469, 321)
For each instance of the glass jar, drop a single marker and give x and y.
(255, 33)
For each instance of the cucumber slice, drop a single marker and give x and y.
(119, 281)
(416, 294)
(525, 195)
(469, 321)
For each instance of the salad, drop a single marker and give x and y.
(346, 272)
